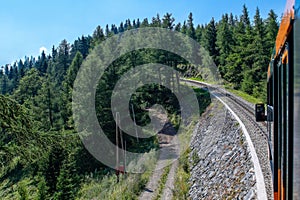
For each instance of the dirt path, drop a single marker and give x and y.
(169, 186)
(169, 151)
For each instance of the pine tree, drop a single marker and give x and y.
(49, 105)
(98, 36)
(243, 50)
(42, 189)
(68, 180)
(29, 86)
(121, 28)
(4, 84)
(23, 192)
(168, 21)
(6, 69)
(210, 38)
(66, 96)
(199, 33)
(127, 25)
(224, 42)
(261, 59)
(184, 28)
(190, 27)
(59, 67)
(245, 17)
(54, 53)
(114, 29)
(178, 27)
(52, 167)
(232, 22)
(255, 56)
(21, 69)
(81, 45)
(133, 24)
(138, 23)
(271, 29)
(233, 70)
(145, 23)
(42, 63)
(156, 22)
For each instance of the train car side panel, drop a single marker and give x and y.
(296, 122)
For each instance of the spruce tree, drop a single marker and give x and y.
(68, 179)
(145, 23)
(210, 38)
(271, 29)
(224, 42)
(190, 27)
(66, 96)
(168, 21)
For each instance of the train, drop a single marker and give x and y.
(283, 105)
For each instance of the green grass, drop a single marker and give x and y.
(239, 93)
(195, 79)
(182, 185)
(162, 182)
(129, 186)
(244, 95)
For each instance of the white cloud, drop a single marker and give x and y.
(43, 49)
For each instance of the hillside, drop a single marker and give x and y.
(41, 154)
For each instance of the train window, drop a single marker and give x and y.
(260, 112)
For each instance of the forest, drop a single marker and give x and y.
(42, 156)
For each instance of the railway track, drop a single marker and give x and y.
(249, 113)
(257, 131)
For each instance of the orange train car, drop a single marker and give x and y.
(283, 105)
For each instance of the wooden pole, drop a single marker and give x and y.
(133, 114)
(117, 147)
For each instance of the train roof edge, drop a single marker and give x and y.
(291, 12)
(285, 25)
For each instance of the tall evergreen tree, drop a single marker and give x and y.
(42, 63)
(59, 67)
(190, 27)
(4, 84)
(127, 25)
(178, 27)
(138, 23)
(232, 21)
(66, 96)
(271, 29)
(82, 45)
(6, 69)
(145, 23)
(245, 17)
(121, 28)
(21, 68)
(224, 41)
(98, 36)
(114, 29)
(54, 53)
(68, 179)
(28, 87)
(184, 28)
(168, 21)
(210, 39)
(199, 33)
(107, 31)
(156, 22)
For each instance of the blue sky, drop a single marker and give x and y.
(26, 26)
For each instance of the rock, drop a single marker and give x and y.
(225, 169)
(250, 195)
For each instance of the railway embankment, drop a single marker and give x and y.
(221, 165)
